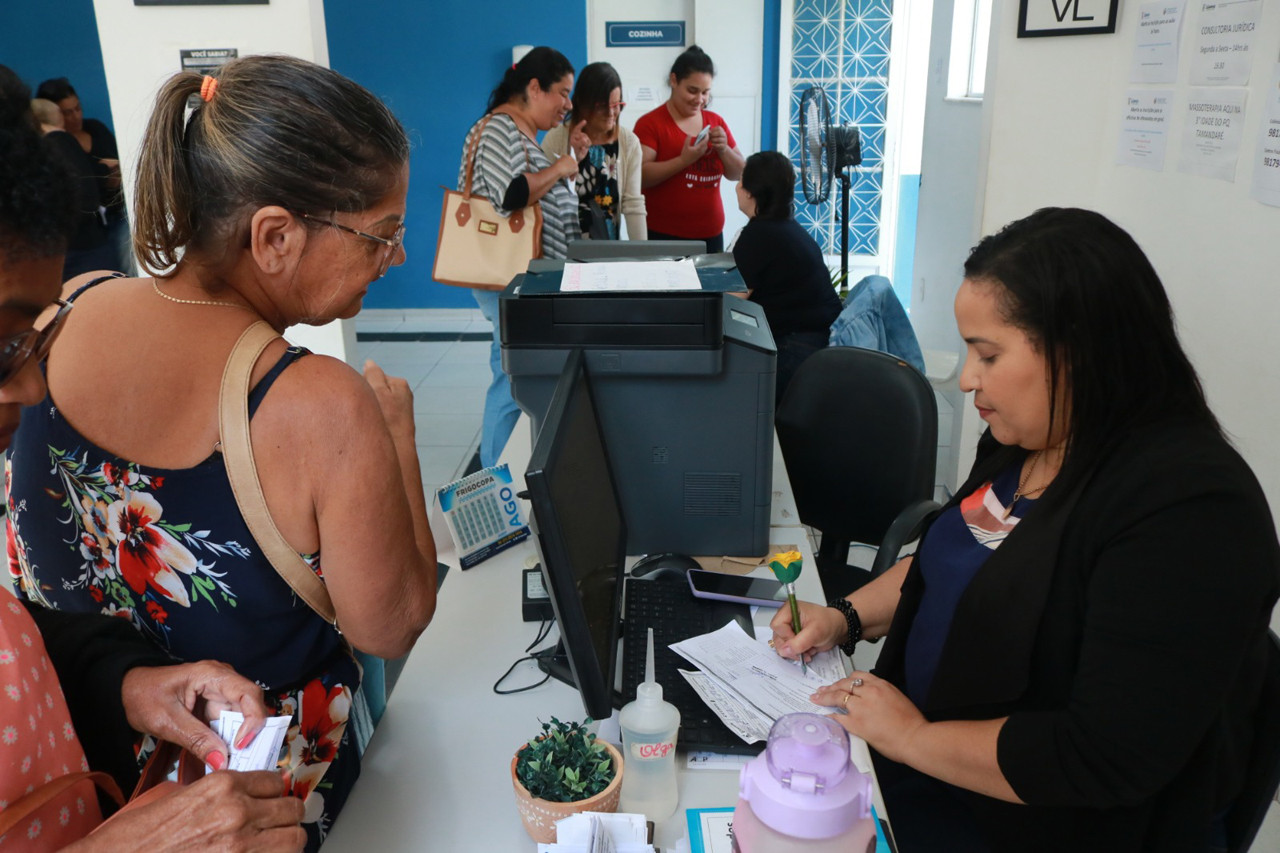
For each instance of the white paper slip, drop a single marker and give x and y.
(261, 753)
(629, 275)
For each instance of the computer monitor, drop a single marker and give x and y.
(634, 250)
(580, 535)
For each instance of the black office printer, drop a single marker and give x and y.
(684, 384)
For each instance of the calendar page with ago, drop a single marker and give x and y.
(483, 514)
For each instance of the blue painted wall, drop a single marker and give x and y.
(770, 69)
(435, 64)
(56, 38)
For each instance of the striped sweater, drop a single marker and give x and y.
(503, 154)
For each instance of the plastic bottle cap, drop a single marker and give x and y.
(649, 693)
(805, 784)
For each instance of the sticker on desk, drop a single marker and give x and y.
(483, 514)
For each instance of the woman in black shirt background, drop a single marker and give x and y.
(782, 265)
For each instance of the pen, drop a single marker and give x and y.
(786, 568)
(795, 620)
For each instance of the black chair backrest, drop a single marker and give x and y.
(859, 433)
(1263, 774)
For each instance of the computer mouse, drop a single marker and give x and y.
(663, 566)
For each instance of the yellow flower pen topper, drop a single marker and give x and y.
(786, 568)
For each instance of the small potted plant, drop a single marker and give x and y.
(563, 771)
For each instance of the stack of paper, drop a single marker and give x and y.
(748, 685)
(598, 832)
(261, 753)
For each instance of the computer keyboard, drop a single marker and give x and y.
(670, 609)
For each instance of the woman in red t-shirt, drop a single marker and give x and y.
(680, 174)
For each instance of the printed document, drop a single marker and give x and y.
(625, 276)
(748, 684)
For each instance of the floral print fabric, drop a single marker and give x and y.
(598, 183)
(168, 551)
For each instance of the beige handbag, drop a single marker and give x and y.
(477, 246)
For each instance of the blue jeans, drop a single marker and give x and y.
(500, 410)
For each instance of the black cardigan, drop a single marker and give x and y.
(1123, 629)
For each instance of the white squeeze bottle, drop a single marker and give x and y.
(649, 726)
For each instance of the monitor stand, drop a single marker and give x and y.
(555, 663)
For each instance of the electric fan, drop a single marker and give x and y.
(827, 150)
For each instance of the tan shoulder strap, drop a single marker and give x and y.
(28, 804)
(471, 155)
(237, 453)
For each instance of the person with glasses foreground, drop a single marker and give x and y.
(279, 197)
(608, 180)
(79, 685)
(682, 167)
(1074, 656)
(512, 172)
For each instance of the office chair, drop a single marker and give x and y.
(1262, 777)
(859, 434)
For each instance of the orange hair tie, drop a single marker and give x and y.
(208, 88)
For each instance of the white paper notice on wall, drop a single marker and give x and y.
(1212, 130)
(1266, 166)
(1224, 42)
(1155, 48)
(1144, 128)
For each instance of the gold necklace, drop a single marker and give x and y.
(1023, 491)
(155, 285)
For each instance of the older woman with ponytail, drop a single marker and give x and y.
(511, 171)
(280, 198)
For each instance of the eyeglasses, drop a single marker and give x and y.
(613, 108)
(17, 350)
(393, 243)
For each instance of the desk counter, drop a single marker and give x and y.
(437, 773)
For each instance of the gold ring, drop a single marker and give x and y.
(845, 703)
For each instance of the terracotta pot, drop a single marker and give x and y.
(540, 815)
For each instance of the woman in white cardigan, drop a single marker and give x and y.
(608, 179)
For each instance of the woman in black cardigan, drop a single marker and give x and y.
(1074, 655)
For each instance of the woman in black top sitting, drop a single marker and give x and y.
(1074, 656)
(782, 265)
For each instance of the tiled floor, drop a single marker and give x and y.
(448, 374)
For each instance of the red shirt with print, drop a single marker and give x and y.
(688, 203)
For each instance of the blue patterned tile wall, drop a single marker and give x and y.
(843, 46)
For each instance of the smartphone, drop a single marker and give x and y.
(702, 135)
(765, 592)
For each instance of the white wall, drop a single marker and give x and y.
(1054, 108)
(140, 50)
(951, 192)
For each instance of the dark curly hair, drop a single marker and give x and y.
(37, 199)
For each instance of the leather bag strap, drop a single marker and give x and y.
(28, 804)
(471, 155)
(237, 452)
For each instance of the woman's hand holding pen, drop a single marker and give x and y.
(823, 628)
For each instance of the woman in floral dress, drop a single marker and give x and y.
(608, 181)
(281, 197)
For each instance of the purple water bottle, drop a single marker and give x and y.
(803, 794)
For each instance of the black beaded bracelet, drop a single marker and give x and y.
(852, 620)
